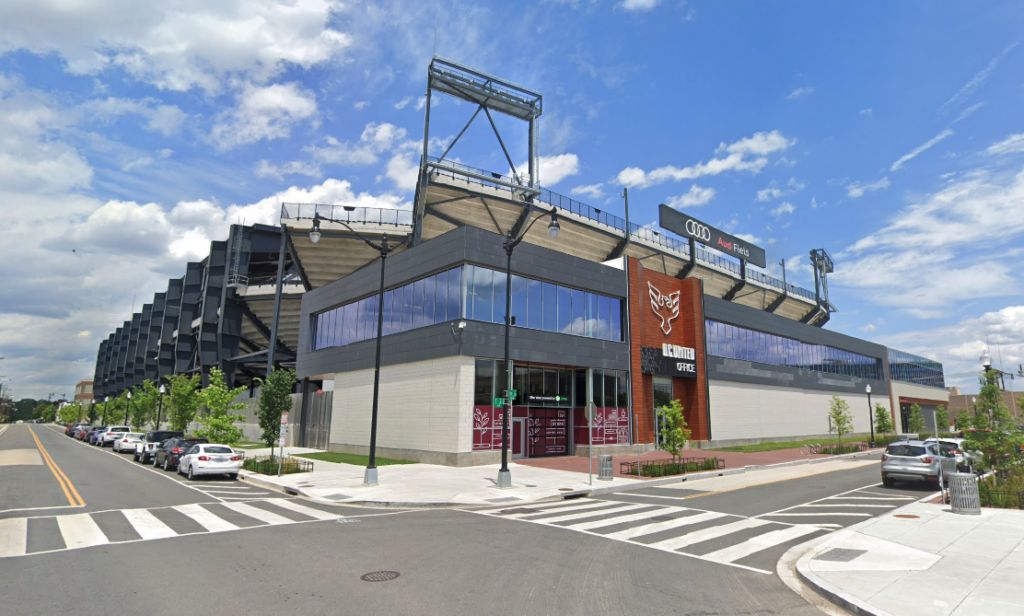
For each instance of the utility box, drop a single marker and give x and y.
(604, 468)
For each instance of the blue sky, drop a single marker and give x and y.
(133, 132)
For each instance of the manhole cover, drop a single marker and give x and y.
(518, 510)
(379, 576)
(840, 555)
(906, 516)
(662, 518)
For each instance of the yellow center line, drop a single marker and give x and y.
(74, 498)
(765, 483)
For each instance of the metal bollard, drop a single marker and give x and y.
(604, 468)
(963, 493)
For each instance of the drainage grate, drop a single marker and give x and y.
(379, 576)
(906, 516)
(840, 555)
(662, 518)
(518, 510)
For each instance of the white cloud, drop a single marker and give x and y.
(405, 101)
(1014, 144)
(919, 149)
(736, 158)
(164, 119)
(639, 5)
(402, 171)
(856, 189)
(178, 45)
(867, 112)
(784, 208)
(265, 169)
(261, 113)
(966, 113)
(795, 94)
(590, 190)
(814, 203)
(360, 105)
(554, 169)
(375, 140)
(870, 327)
(976, 82)
(774, 191)
(697, 195)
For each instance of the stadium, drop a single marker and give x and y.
(610, 319)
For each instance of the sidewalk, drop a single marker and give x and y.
(429, 485)
(923, 560)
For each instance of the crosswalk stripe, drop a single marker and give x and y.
(625, 518)
(304, 510)
(260, 514)
(251, 494)
(878, 506)
(657, 527)
(823, 514)
(205, 518)
(760, 542)
(148, 525)
(80, 531)
(540, 507)
(13, 537)
(586, 512)
(575, 507)
(878, 495)
(707, 533)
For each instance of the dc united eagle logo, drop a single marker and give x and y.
(665, 306)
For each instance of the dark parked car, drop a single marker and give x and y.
(71, 429)
(168, 454)
(151, 442)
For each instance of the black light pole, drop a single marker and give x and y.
(504, 475)
(871, 415)
(103, 417)
(370, 475)
(160, 406)
(127, 408)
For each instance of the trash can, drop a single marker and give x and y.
(604, 468)
(963, 493)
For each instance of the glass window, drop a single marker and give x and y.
(615, 320)
(519, 285)
(564, 311)
(500, 306)
(564, 386)
(344, 323)
(441, 299)
(591, 328)
(407, 299)
(622, 387)
(610, 388)
(483, 388)
(550, 304)
(550, 383)
(597, 386)
(604, 326)
(389, 298)
(580, 388)
(455, 295)
(536, 304)
(520, 378)
(482, 293)
(417, 303)
(319, 331)
(352, 323)
(428, 300)
(536, 382)
(579, 313)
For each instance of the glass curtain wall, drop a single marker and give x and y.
(910, 368)
(734, 342)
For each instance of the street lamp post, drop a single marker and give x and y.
(160, 405)
(370, 475)
(871, 414)
(510, 243)
(127, 407)
(103, 417)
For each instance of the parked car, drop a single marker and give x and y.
(126, 441)
(206, 459)
(94, 434)
(72, 428)
(112, 434)
(965, 460)
(916, 461)
(170, 451)
(150, 442)
(83, 432)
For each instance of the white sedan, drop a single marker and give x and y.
(126, 441)
(207, 459)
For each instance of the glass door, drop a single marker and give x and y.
(662, 398)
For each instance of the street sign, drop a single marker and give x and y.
(512, 393)
(499, 402)
(284, 419)
(284, 428)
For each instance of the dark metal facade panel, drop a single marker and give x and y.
(131, 349)
(213, 282)
(99, 373)
(172, 310)
(141, 358)
(185, 344)
(745, 316)
(735, 370)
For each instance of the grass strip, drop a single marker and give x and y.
(349, 458)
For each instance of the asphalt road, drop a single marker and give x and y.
(448, 561)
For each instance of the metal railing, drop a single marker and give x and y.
(348, 213)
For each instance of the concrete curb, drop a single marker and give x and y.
(596, 491)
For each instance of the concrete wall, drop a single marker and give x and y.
(425, 410)
(752, 411)
(919, 392)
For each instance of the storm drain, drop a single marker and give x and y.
(518, 510)
(840, 555)
(379, 576)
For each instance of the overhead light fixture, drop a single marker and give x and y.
(314, 233)
(553, 226)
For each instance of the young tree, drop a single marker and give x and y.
(915, 421)
(95, 410)
(993, 432)
(48, 413)
(114, 410)
(883, 420)
(674, 432)
(218, 423)
(941, 419)
(184, 400)
(840, 419)
(143, 404)
(275, 399)
(69, 413)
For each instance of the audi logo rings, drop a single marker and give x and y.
(698, 231)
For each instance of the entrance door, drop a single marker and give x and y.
(662, 398)
(548, 432)
(518, 439)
